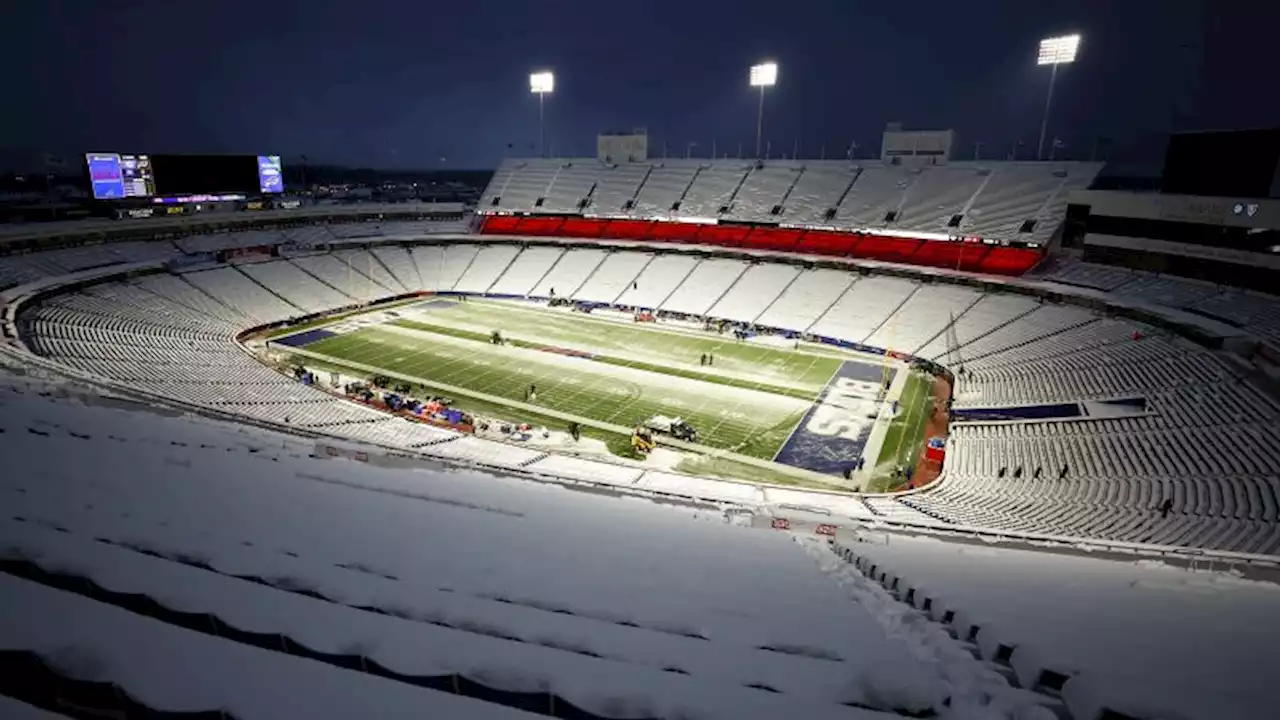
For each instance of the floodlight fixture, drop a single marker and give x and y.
(764, 75)
(542, 82)
(1058, 50)
(1054, 51)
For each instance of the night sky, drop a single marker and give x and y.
(421, 83)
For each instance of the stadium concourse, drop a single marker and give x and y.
(178, 505)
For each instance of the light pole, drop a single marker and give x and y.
(1054, 51)
(762, 76)
(542, 83)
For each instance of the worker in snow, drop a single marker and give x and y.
(1166, 507)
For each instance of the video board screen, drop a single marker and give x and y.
(270, 174)
(118, 176)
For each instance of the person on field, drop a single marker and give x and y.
(1166, 507)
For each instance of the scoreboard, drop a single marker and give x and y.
(161, 178)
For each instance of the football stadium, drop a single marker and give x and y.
(645, 437)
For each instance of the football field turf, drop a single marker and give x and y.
(641, 343)
(748, 421)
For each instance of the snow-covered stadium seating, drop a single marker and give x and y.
(1012, 196)
(20, 269)
(489, 263)
(570, 186)
(1015, 350)
(364, 262)
(875, 192)
(297, 287)
(230, 286)
(864, 307)
(328, 561)
(615, 187)
(569, 273)
(758, 287)
(440, 266)
(664, 186)
(525, 272)
(922, 317)
(1022, 202)
(1139, 639)
(762, 190)
(613, 276)
(339, 275)
(706, 284)
(658, 280)
(1257, 313)
(168, 335)
(806, 299)
(398, 261)
(712, 189)
(934, 196)
(995, 199)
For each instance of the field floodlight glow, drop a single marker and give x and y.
(1054, 51)
(542, 82)
(764, 74)
(1058, 50)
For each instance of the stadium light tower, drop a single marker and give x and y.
(1054, 51)
(762, 76)
(542, 83)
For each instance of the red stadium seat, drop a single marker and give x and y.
(826, 242)
(539, 225)
(583, 227)
(499, 225)
(944, 254)
(768, 238)
(951, 255)
(1010, 261)
(627, 229)
(727, 235)
(972, 258)
(672, 232)
(889, 249)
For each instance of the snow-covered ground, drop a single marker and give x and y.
(1141, 638)
(621, 607)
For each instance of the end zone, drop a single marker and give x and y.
(832, 436)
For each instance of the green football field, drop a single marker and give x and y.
(731, 415)
(639, 344)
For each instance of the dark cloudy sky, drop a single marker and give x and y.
(403, 83)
